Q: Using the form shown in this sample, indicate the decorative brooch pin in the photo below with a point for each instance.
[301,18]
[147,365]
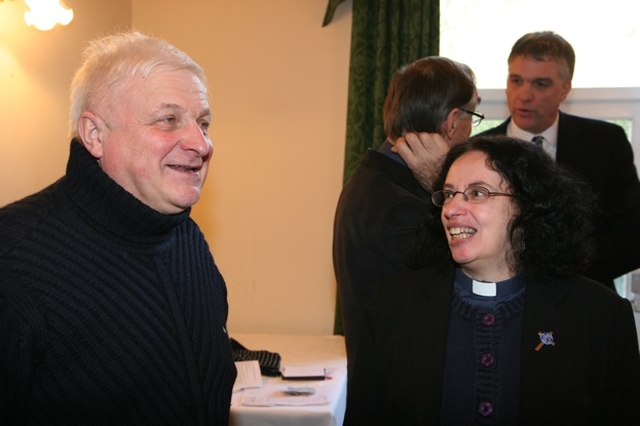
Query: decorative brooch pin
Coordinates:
[546,339]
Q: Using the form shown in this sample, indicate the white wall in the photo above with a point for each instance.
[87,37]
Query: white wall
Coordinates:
[279,92]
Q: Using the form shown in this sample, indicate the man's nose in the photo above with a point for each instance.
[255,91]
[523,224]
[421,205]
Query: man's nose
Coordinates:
[525,92]
[196,140]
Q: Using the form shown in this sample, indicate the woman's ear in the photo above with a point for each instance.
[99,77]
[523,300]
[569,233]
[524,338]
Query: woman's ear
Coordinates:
[91,133]
[450,124]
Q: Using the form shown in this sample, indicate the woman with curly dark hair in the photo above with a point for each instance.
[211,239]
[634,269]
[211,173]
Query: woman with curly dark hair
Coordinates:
[500,328]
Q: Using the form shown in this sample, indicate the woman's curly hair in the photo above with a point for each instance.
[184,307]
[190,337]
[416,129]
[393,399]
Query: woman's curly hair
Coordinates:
[551,232]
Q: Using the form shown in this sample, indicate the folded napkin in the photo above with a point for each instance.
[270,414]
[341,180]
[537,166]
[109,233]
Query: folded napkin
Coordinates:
[269,361]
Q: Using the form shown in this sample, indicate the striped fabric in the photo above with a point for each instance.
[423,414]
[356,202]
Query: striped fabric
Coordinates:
[110,312]
[269,361]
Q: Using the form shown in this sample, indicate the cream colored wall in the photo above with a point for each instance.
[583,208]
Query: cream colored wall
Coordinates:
[279,92]
[35,70]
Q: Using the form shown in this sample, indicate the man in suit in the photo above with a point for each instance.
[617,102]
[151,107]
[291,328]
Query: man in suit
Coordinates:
[429,107]
[541,67]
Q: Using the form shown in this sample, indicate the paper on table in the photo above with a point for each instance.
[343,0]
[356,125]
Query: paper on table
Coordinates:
[270,396]
[248,375]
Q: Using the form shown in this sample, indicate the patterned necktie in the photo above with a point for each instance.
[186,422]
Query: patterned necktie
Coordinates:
[538,140]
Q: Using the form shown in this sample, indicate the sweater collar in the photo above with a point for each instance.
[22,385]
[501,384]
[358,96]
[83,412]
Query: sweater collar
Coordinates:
[109,207]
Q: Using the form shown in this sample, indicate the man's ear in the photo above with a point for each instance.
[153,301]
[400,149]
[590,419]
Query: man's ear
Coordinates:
[450,124]
[565,89]
[91,133]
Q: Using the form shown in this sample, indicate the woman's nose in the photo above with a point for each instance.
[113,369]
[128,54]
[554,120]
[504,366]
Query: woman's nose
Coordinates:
[454,205]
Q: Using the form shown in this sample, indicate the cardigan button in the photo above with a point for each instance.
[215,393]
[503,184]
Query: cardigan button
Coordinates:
[485,409]
[488,319]
[487,360]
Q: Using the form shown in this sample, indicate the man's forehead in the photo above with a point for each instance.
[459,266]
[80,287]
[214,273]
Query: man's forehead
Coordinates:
[169,90]
[545,61]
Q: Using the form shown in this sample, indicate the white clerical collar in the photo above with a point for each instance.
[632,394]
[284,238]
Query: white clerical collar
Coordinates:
[482,288]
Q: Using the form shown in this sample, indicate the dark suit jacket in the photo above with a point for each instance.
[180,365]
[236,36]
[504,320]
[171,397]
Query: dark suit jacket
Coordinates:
[378,212]
[590,377]
[600,153]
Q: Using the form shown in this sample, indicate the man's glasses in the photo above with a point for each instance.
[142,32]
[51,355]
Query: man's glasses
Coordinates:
[473,195]
[477,117]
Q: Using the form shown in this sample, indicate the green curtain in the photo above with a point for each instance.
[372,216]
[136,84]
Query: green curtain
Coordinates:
[385,35]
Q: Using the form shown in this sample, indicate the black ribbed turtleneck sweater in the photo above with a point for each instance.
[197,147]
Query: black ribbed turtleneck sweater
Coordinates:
[110,312]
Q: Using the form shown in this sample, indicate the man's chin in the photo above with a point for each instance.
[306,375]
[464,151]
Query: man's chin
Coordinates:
[177,205]
[525,121]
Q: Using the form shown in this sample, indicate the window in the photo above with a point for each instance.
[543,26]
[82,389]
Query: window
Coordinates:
[606,39]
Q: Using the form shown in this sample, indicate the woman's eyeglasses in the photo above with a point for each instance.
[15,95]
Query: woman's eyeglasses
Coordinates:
[473,195]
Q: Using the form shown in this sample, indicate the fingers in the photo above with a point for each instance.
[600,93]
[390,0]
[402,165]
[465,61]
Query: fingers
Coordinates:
[423,153]
[421,148]
[421,144]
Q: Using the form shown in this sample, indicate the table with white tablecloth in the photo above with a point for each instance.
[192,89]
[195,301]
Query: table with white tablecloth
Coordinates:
[305,351]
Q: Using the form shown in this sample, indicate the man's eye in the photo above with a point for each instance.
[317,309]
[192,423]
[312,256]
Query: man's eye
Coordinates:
[204,126]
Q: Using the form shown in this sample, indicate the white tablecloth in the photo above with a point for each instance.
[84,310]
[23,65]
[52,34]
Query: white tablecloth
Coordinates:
[323,351]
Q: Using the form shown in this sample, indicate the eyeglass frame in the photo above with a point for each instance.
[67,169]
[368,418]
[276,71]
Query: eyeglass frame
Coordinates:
[478,116]
[465,197]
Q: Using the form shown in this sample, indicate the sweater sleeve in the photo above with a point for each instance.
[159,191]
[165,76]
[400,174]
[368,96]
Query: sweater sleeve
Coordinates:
[21,337]
[623,375]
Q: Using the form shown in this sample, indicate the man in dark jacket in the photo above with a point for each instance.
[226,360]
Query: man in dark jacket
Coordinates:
[430,106]
[541,67]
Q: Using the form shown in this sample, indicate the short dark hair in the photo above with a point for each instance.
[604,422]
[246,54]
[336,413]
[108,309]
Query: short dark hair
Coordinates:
[422,94]
[545,46]
[551,233]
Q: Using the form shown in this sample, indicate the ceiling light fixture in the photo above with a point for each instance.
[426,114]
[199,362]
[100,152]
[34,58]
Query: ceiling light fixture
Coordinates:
[45,14]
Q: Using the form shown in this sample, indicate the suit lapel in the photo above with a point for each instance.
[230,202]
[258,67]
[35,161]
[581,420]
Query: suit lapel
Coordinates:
[569,150]
[498,130]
